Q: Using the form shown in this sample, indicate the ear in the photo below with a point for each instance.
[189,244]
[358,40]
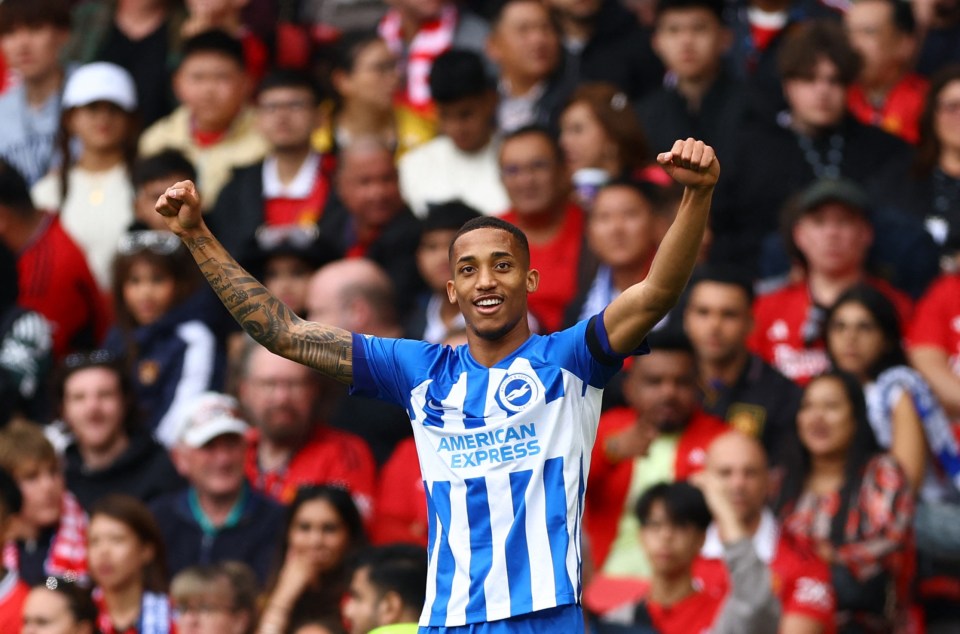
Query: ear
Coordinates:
[178,453]
[390,608]
[340,81]
[178,85]
[148,555]
[533,280]
[451,292]
[493,49]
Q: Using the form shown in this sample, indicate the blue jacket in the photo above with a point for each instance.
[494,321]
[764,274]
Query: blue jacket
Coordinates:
[253,539]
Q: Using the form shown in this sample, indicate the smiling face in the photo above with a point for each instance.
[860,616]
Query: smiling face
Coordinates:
[319,534]
[825,421]
[94,407]
[491,280]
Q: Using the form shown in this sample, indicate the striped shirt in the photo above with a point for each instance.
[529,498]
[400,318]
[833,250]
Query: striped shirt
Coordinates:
[504,453]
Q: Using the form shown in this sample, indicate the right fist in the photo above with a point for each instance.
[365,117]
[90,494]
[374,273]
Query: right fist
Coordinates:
[180,207]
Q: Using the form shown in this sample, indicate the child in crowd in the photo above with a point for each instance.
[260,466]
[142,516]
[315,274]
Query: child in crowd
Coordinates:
[218,598]
[151,178]
[204,15]
[127,565]
[163,328]
[49,535]
[93,190]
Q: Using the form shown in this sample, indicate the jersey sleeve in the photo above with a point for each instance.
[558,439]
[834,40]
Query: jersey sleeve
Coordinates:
[932,319]
[601,362]
[387,369]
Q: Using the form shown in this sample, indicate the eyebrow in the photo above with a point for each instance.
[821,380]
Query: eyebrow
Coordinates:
[495,254]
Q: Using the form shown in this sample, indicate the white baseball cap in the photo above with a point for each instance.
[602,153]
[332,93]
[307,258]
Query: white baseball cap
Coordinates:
[209,415]
[100,81]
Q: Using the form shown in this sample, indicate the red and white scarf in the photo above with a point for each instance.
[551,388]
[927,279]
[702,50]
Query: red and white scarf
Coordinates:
[68,550]
[433,38]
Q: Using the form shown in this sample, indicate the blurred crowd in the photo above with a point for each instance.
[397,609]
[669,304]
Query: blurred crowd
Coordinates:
[786,459]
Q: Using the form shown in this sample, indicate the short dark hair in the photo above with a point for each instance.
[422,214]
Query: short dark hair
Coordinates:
[214,41]
[713,6]
[79,599]
[458,74]
[683,502]
[806,44]
[290,78]
[901,15]
[399,568]
[535,129]
[34,14]
[103,360]
[502,7]
[670,340]
[722,273]
[492,222]
[166,164]
[11,501]
[349,46]
[447,216]
[14,192]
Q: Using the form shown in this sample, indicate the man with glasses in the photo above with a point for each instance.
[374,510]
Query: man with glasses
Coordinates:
[290,446]
[290,185]
[533,173]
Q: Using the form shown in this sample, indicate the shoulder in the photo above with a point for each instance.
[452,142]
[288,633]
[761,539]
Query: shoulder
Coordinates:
[170,131]
[884,472]
[422,155]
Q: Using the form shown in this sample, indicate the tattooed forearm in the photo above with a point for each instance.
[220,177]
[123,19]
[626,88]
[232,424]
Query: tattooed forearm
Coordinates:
[267,319]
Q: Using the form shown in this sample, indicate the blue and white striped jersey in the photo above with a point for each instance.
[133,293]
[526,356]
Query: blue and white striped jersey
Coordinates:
[504,453]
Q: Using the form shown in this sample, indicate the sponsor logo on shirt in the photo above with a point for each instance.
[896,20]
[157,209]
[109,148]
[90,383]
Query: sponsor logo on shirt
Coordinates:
[813,593]
[796,363]
[487,447]
[517,392]
[778,331]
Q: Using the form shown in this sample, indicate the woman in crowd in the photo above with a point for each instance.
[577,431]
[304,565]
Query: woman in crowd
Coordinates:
[163,328]
[365,77]
[323,529]
[58,606]
[126,555]
[98,140]
[218,598]
[852,501]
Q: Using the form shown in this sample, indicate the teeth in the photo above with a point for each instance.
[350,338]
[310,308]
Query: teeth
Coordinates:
[488,302]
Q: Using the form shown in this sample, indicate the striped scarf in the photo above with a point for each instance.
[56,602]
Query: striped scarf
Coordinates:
[67,557]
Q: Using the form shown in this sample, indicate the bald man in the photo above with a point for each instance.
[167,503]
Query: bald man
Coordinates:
[366,217]
[358,295]
[735,482]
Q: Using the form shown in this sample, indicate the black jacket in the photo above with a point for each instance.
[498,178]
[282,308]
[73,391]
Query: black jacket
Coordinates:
[143,471]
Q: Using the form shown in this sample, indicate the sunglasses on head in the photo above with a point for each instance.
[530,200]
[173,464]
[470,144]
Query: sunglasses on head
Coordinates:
[297,236]
[159,242]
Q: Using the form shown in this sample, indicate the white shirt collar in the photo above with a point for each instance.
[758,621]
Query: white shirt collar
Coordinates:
[299,187]
[764,540]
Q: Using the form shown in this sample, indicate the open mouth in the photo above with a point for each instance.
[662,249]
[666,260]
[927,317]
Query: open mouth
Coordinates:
[488,304]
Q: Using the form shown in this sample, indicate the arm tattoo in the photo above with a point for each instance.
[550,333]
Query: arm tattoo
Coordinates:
[268,320]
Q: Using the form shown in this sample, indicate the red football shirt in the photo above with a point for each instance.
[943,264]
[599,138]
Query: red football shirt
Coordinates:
[899,114]
[936,322]
[56,282]
[691,615]
[557,262]
[331,456]
[781,318]
[401,504]
[13,592]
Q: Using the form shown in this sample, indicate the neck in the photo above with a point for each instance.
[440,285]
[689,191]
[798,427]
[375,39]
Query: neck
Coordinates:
[829,467]
[810,130]
[488,353]
[626,276]
[576,29]
[273,454]
[289,162]
[752,524]
[40,89]
[100,160]
[359,120]
[670,590]
[123,603]
[693,89]
[950,161]
[217,507]
[725,371]
[520,85]
[136,18]
[825,289]
[878,89]
[97,458]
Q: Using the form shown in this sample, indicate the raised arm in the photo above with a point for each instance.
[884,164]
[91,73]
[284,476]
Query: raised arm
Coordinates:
[263,316]
[630,317]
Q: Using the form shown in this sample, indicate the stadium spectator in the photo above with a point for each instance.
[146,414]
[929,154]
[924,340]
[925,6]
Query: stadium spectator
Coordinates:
[435,316]
[26,344]
[738,386]
[32,35]
[61,606]
[365,77]
[600,131]
[417,33]
[534,85]
[387,590]
[532,168]
[853,503]
[604,43]
[128,568]
[887,93]
[213,127]
[400,508]
[829,231]
[226,16]
[368,218]
[461,163]
[291,184]
[673,520]
[92,191]
[703,100]
[218,598]
[323,531]
[218,516]
[662,436]
[357,295]
[163,328]
[53,276]
[817,139]
[737,479]
[13,591]
[49,535]
[151,176]
[288,446]
[109,451]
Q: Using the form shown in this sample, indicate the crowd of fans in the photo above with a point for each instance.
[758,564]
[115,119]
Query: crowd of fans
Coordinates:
[786,459]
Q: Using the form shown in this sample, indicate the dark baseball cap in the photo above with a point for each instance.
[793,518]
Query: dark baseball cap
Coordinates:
[833,190]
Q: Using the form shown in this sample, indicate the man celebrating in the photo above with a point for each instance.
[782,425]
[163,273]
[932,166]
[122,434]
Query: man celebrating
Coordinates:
[504,425]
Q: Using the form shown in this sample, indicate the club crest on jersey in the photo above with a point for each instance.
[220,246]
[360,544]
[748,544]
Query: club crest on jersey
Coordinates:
[517,392]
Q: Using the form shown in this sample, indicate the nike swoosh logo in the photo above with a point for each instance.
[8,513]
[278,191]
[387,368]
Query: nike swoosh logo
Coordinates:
[435,406]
